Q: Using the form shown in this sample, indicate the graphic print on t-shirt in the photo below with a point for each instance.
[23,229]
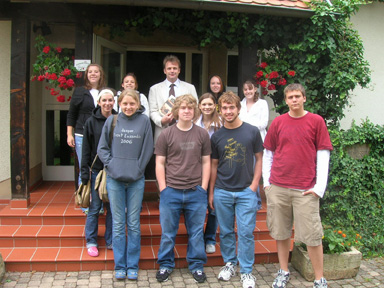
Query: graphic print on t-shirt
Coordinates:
[234,152]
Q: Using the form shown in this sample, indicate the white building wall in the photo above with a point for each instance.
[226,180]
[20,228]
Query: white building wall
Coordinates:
[5,87]
[369,103]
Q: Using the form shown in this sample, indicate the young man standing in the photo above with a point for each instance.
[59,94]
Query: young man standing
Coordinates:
[160,92]
[237,151]
[295,172]
[182,171]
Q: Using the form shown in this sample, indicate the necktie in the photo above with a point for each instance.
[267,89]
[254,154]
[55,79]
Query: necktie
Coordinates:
[172,90]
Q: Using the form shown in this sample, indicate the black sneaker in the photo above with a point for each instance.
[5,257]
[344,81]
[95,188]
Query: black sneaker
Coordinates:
[163,274]
[199,276]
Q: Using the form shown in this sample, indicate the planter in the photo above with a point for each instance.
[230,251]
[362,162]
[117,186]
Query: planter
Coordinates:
[336,266]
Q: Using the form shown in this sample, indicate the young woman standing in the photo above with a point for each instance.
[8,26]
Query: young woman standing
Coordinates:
[125,159]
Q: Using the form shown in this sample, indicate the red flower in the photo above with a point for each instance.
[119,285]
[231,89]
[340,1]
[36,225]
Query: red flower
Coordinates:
[264,83]
[282,82]
[60,98]
[292,73]
[53,76]
[259,74]
[54,92]
[273,74]
[266,76]
[59,49]
[70,83]
[46,49]
[69,98]
[62,79]
[34,78]
[66,72]
[78,75]
[263,65]
[271,87]
[46,67]
[47,75]
[40,78]
[265,92]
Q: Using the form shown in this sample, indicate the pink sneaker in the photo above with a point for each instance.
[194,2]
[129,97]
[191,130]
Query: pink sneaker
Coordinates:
[93,251]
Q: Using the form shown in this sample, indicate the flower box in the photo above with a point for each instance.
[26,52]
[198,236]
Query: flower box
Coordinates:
[336,266]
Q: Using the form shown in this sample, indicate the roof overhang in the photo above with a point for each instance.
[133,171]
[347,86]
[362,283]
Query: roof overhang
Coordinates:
[286,8]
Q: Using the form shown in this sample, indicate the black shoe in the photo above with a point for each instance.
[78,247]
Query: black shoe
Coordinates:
[162,275]
[199,276]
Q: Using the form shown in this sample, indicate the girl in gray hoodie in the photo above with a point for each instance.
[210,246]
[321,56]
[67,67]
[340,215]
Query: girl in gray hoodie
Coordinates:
[125,157]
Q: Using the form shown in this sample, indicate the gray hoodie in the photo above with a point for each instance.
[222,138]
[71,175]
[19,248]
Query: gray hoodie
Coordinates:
[131,148]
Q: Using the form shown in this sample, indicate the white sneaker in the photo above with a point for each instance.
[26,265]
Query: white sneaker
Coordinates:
[281,280]
[210,248]
[248,280]
[322,283]
[227,272]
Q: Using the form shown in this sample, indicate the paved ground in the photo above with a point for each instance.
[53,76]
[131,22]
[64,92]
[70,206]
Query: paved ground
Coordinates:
[371,274]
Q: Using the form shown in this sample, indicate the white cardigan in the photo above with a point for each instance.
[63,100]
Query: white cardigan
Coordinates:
[257,116]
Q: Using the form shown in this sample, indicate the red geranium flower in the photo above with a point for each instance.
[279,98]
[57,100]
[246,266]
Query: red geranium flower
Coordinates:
[282,82]
[259,74]
[53,76]
[265,92]
[62,79]
[263,65]
[78,75]
[292,73]
[264,83]
[69,98]
[60,98]
[46,49]
[271,87]
[70,83]
[59,49]
[40,78]
[273,75]
[66,72]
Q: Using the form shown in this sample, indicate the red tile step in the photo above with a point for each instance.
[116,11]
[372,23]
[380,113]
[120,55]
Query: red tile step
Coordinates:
[49,235]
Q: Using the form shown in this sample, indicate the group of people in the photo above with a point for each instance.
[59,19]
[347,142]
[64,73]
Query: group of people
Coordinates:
[210,152]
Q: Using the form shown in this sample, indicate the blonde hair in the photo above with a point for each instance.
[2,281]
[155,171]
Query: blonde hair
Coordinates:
[189,100]
[132,93]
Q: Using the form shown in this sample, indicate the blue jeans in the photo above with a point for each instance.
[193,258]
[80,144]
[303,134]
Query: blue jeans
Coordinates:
[126,200]
[211,227]
[244,205]
[78,148]
[92,224]
[193,203]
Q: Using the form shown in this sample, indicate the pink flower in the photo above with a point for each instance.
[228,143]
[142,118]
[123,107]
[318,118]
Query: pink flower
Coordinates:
[59,49]
[46,49]
[259,74]
[273,74]
[271,87]
[60,98]
[263,65]
[264,83]
[292,73]
[282,82]
[40,78]
[70,83]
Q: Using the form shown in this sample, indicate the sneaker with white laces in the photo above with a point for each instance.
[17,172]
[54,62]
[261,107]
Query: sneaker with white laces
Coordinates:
[199,276]
[163,274]
[281,280]
[227,272]
[322,283]
[248,280]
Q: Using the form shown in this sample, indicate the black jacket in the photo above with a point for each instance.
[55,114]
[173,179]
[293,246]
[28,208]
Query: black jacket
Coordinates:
[80,109]
[91,136]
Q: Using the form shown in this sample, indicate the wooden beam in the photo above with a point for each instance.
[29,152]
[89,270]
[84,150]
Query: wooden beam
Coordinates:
[247,65]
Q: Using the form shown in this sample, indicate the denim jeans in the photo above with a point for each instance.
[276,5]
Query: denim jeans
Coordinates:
[243,205]
[193,203]
[211,227]
[78,148]
[126,200]
[92,224]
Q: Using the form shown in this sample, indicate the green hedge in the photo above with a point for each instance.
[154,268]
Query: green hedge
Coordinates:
[355,194]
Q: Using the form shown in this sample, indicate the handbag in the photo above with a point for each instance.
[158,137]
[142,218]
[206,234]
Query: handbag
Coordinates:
[101,185]
[101,179]
[83,193]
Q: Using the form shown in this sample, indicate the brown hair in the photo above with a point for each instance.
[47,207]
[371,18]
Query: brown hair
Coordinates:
[172,59]
[231,98]
[133,76]
[294,87]
[250,84]
[215,115]
[221,86]
[132,93]
[189,100]
[101,83]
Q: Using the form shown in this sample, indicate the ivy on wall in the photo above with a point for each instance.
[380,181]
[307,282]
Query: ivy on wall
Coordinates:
[324,50]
